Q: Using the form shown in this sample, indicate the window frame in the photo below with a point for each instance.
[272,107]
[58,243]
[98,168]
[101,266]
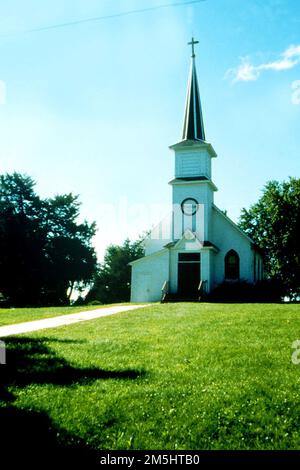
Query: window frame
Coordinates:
[232,272]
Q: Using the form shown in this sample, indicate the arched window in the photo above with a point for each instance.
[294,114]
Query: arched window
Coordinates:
[232,265]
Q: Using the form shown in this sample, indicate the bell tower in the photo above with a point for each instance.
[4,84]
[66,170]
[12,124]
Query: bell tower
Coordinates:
[193,188]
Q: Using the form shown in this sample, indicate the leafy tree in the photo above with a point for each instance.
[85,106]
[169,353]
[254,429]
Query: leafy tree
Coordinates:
[22,239]
[44,252]
[69,249]
[112,283]
[274,225]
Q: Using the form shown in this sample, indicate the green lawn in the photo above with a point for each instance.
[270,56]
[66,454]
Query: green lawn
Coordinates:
[177,376]
[11,316]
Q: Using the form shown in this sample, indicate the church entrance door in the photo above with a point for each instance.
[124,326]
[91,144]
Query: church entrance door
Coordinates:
[188,274]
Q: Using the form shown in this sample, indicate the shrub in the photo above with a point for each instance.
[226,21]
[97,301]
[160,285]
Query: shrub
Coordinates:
[243,291]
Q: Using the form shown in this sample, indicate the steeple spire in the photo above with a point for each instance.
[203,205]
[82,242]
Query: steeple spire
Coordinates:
[193,127]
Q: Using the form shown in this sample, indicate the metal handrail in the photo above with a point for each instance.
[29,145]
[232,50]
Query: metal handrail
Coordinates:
[202,289]
[164,290]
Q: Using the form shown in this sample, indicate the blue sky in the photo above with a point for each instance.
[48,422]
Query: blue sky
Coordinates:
[91,109]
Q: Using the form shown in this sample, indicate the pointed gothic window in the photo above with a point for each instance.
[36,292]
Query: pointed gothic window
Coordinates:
[232,265]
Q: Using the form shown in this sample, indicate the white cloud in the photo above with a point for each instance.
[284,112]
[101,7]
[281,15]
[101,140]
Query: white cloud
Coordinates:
[245,72]
[296,92]
[248,72]
[292,51]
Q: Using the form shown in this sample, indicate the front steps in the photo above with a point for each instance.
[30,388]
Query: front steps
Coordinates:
[179,298]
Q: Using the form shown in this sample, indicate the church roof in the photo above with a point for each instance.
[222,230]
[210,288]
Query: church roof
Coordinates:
[205,244]
[193,179]
[193,127]
[190,178]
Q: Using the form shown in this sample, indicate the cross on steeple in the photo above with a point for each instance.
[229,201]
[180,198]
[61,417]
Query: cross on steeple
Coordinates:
[192,43]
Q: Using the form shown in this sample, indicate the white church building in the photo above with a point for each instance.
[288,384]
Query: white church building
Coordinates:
[197,247]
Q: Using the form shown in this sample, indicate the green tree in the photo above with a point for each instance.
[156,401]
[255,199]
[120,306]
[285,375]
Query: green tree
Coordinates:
[44,252]
[274,225]
[22,239]
[69,250]
[112,283]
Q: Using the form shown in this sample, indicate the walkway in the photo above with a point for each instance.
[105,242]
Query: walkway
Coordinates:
[64,320]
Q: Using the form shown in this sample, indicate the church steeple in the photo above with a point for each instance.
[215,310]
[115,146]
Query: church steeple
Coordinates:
[193,127]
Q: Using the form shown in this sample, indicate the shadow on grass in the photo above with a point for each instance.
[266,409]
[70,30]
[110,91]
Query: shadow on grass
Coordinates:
[25,434]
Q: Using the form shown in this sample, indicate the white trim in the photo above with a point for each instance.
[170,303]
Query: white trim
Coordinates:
[192,238]
[214,187]
[210,248]
[155,253]
[184,144]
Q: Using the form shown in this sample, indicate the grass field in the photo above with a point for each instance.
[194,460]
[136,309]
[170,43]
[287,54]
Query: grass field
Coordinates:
[177,376]
[11,316]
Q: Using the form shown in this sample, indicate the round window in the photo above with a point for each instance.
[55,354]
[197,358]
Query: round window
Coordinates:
[189,206]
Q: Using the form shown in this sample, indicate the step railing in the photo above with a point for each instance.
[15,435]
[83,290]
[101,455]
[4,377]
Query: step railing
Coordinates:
[202,290]
[164,291]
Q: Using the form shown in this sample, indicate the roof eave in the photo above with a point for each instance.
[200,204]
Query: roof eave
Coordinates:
[195,144]
[177,181]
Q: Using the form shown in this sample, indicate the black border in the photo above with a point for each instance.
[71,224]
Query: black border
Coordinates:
[189,199]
